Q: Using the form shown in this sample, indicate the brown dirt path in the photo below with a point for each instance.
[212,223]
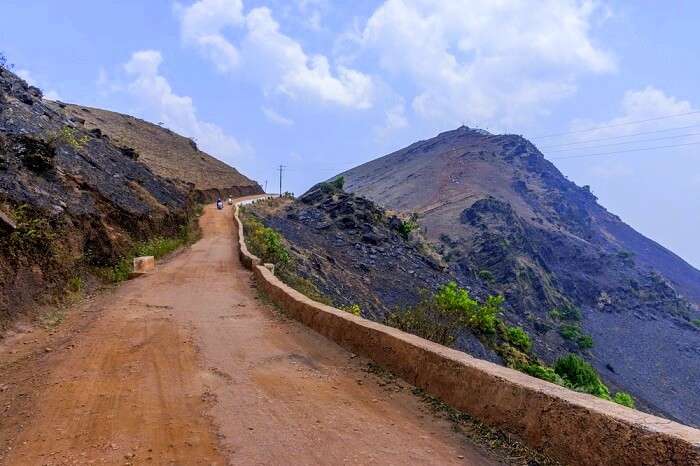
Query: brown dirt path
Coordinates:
[189,366]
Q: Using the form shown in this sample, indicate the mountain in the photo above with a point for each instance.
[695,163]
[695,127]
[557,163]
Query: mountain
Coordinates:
[166,153]
[506,219]
[74,200]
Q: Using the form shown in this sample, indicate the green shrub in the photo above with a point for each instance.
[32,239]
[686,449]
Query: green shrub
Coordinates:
[569,332]
[440,318]
[426,321]
[624,399]
[696,322]
[353,309]
[519,338]
[75,285]
[332,186]
[266,243]
[585,342]
[406,227]
[485,275]
[158,247]
[580,375]
[453,300]
[567,312]
[338,183]
[542,372]
[70,136]
[573,332]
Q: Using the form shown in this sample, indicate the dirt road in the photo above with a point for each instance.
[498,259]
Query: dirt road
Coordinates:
[189,366]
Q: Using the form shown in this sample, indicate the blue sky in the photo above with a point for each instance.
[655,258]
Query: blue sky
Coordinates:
[321,85]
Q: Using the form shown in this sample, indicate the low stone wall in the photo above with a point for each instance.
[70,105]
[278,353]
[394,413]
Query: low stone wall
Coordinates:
[247,259]
[572,427]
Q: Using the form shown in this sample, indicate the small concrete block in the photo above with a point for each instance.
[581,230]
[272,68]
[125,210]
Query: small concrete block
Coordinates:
[143,265]
[270,267]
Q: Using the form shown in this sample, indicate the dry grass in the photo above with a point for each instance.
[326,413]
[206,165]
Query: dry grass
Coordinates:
[167,154]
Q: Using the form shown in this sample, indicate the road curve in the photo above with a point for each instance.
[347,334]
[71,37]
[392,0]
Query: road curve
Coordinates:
[189,366]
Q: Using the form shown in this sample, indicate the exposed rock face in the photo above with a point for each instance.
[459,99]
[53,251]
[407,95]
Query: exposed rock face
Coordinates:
[166,153]
[71,198]
[507,218]
[353,252]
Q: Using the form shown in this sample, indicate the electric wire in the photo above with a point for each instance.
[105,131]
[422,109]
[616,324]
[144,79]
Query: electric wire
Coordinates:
[626,123]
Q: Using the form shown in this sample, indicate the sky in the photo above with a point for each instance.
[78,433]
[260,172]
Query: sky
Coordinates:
[607,90]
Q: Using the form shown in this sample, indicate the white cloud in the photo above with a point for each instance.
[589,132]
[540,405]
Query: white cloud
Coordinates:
[394,119]
[177,112]
[649,103]
[25,74]
[297,74]
[641,124]
[275,117]
[203,23]
[485,60]
[280,61]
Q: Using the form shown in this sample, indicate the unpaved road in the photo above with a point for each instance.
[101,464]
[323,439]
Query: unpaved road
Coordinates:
[188,366]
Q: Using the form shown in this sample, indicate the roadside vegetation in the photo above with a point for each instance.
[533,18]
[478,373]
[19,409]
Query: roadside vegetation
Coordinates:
[267,244]
[158,247]
[442,316]
[568,317]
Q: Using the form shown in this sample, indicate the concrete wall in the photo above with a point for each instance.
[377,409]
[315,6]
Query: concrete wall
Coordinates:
[572,427]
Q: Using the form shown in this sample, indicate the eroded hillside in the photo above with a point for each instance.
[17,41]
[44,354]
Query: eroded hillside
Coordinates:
[73,201]
[574,276]
[166,153]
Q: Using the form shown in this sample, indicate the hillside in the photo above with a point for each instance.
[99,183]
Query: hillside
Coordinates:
[505,218]
[75,202]
[166,153]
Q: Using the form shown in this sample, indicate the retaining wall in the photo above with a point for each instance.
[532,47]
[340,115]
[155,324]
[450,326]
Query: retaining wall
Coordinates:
[572,427]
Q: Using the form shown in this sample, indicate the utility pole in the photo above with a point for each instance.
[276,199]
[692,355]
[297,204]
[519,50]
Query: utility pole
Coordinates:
[281,169]
[265,186]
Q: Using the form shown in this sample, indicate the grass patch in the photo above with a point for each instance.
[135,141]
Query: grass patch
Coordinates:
[566,313]
[157,247]
[353,309]
[696,322]
[572,332]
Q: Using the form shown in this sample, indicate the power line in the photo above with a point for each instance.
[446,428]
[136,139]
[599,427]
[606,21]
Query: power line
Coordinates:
[616,125]
[642,133]
[639,141]
[625,151]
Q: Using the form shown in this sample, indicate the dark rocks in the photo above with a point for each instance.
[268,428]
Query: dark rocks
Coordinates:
[74,204]
[35,154]
[129,152]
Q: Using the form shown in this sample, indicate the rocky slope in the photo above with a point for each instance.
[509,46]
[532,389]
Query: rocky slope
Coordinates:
[354,253]
[506,221]
[166,153]
[505,216]
[71,199]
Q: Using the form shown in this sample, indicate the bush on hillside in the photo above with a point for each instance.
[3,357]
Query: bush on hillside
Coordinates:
[519,338]
[266,243]
[580,375]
